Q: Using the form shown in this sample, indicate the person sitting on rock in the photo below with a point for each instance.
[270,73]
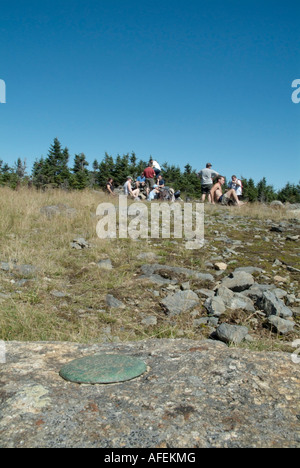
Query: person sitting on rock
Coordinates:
[225,199]
[160,181]
[153,195]
[110,186]
[128,189]
[237,185]
[140,181]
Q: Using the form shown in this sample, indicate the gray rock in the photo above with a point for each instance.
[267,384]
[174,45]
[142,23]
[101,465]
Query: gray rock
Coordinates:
[105,264]
[194,394]
[149,256]
[231,333]
[58,294]
[215,306]
[79,243]
[234,300]
[4,266]
[152,273]
[113,302]
[274,306]
[205,292]
[149,320]
[282,326]
[60,209]
[249,269]
[238,281]
[277,204]
[180,302]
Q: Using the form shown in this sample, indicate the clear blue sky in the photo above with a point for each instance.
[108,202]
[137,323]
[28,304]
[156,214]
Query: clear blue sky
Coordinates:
[187,81]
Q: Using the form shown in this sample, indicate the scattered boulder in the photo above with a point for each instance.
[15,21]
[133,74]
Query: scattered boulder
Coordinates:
[105,264]
[152,272]
[215,306]
[281,325]
[277,204]
[274,306]
[23,270]
[79,243]
[180,302]
[231,333]
[220,266]
[113,302]
[238,281]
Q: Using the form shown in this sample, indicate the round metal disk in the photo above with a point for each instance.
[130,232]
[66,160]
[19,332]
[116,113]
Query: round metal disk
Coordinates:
[103,368]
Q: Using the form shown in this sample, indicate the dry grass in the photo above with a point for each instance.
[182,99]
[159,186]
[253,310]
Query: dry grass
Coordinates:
[30,312]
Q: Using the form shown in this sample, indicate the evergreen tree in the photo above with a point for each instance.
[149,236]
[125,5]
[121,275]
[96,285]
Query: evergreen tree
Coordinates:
[265,193]
[56,169]
[81,174]
[106,169]
[249,190]
[20,168]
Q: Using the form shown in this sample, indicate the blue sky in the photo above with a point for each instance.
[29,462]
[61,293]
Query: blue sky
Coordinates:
[185,81]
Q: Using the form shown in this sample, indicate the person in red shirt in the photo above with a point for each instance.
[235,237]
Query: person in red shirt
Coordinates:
[149,173]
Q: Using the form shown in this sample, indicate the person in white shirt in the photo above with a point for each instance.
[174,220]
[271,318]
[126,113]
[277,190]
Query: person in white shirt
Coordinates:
[237,185]
[156,167]
[128,189]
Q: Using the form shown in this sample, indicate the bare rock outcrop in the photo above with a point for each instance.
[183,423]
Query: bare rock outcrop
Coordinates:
[194,394]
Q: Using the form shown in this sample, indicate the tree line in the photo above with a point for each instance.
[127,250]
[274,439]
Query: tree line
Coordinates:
[54,171]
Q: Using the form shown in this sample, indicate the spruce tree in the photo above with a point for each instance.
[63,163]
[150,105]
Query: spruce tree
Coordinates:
[56,165]
[81,174]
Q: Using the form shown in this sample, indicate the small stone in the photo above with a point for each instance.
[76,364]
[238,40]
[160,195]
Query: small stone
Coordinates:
[281,325]
[180,302]
[215,306]
[238,281]
[58,294]
[231,333]
[150,320]
[274,306]
[220,266]
[105,264]
[113,302]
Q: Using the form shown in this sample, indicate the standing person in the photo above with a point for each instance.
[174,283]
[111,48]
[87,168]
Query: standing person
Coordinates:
[128,189]
[149,174]
[156,167]
[217,194]
[207,175]
[237,185]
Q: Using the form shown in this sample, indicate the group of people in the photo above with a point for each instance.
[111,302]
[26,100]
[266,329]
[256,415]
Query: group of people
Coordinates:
[214,191]
[147,185]
[150,182]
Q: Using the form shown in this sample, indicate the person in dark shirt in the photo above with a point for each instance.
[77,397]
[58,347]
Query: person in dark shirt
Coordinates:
[160,181]
[110,186]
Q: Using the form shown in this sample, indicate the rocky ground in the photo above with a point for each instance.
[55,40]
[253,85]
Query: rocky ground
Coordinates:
[206,322]
[193,395]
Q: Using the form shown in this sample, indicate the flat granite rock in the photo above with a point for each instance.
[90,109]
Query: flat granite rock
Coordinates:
[193,394]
